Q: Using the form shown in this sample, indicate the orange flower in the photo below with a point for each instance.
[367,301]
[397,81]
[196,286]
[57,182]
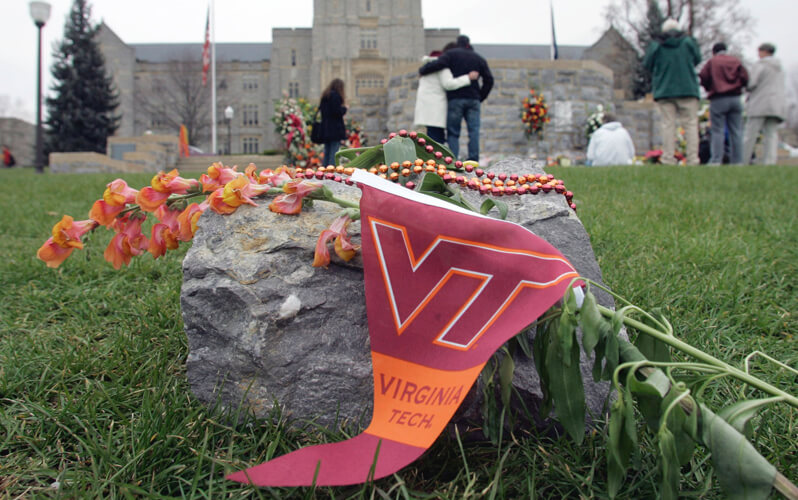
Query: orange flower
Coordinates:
[162,239]
[172,183]
[217,204]
[167,216]
[187,220]
[66,237]
[240,190]
[129,241]
[103,213]
[118,193]
[343,246]
[218,175]
[291,202]
[149,199]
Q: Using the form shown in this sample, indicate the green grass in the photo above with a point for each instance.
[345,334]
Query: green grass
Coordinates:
[92,376]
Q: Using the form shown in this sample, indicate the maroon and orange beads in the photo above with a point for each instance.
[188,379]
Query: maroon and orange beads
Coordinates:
[486,183]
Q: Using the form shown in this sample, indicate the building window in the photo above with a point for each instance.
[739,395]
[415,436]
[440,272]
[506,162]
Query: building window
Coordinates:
[368,39]
[293,57]
[293,89]
[250,145]
[249,82]
[368,81]
[368,5]
[249,115]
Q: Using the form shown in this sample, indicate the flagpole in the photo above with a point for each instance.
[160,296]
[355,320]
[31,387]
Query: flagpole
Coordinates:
[213,78]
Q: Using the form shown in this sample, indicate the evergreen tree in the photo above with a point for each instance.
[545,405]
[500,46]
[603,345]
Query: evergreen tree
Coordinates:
[641,85]
[80,116]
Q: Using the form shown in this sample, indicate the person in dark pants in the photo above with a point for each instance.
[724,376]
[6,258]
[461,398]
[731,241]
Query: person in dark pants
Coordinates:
[333,109]
[463,102]
[8,159]
[724,77]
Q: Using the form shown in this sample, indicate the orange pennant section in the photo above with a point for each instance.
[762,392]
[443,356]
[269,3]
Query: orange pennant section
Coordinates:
[412,402]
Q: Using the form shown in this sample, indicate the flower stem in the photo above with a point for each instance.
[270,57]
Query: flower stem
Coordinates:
[706,358]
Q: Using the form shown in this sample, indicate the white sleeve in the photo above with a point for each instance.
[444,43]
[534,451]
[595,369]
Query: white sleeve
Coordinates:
[630,146]
[591,148]
[449,82]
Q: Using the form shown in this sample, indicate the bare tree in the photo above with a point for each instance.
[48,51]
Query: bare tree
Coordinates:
[175,96]
[709,21]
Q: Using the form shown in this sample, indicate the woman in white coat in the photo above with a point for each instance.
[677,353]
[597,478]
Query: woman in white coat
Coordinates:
[431,102]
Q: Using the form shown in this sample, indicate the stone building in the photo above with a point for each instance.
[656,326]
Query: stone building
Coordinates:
[375,47]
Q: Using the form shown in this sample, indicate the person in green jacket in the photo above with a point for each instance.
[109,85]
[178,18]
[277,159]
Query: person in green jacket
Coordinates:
[672,60]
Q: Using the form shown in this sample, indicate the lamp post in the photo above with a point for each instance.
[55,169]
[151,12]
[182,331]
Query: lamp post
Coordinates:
[228,116]
[40,12]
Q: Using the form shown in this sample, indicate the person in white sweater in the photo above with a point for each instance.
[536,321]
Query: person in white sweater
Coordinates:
[431,102]
[610,144]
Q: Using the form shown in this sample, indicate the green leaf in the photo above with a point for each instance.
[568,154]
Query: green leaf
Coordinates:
[652,348]
[522,339]
[648,394]
[739,415]
[399,149]
[619,448]
[432,183]
[742,472]
[676,421]
[540,347]
[594,326]
[566,331]
[492,202]
[506,370]
[367,158]
[669,464]
[567,390]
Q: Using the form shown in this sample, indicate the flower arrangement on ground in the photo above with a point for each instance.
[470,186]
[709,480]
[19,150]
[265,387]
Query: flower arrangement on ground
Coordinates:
[291,118]
[594,121]
[534,113]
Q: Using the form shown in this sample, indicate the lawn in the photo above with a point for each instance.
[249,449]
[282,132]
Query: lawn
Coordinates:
[94,400]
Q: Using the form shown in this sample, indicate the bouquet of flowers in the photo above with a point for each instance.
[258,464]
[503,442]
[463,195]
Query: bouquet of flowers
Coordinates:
[594,121]
[534,113]
[355,136]
[291,118]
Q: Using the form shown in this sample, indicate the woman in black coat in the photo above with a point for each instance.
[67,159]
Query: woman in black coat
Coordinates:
[332,108]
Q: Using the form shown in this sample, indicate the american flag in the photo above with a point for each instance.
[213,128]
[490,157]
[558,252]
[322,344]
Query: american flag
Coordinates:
[206,49]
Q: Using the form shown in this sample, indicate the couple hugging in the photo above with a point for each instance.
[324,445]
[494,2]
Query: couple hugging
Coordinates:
[449,91]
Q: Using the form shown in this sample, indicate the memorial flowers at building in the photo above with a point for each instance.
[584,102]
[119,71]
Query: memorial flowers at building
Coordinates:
[534,113]
[291,118]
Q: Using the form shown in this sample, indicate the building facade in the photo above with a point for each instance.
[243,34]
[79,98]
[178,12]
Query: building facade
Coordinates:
[367,43]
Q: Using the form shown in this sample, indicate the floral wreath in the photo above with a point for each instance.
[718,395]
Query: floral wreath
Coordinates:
[534,113]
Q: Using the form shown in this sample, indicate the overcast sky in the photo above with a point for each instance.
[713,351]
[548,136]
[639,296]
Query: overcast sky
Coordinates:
[578,22]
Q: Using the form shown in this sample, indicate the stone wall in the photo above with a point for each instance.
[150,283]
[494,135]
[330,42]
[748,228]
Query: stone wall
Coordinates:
[572,90]
[91,163]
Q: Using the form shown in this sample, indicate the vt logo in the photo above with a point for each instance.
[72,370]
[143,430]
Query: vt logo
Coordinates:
[455,289]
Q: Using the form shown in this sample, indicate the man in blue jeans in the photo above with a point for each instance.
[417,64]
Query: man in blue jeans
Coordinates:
[724,78]
[463,102]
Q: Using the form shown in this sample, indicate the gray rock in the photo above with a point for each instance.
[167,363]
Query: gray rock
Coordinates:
[266,328]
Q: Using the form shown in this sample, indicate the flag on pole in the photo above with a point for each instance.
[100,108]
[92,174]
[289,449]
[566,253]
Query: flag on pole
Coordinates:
[206,49]
[445,288]
[183,141]
[554,54]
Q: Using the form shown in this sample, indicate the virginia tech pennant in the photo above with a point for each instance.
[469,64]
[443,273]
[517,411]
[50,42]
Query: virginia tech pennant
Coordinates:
[445,288]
